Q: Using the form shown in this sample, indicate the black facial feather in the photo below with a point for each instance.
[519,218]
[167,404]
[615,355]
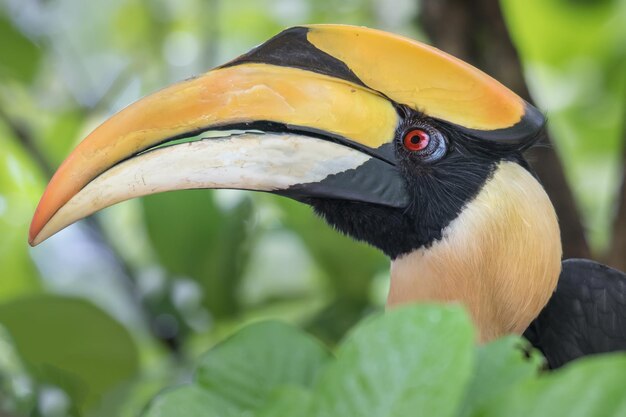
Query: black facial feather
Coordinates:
[438,190]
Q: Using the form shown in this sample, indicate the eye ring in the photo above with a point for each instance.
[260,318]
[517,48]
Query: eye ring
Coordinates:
[423,142]
[416,140]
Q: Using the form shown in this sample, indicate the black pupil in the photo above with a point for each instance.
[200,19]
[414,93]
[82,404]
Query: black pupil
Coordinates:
[416,139]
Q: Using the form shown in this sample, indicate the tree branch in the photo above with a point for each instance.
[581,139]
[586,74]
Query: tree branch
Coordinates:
[617,254]
[23,135]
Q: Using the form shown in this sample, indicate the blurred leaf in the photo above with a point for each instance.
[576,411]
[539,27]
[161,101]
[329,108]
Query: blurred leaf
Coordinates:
[193,237]
[287,401]
[189,401]
[350,265]
[587,387]
[245,369]
[20,56]
[20,188]
[349,268]
[501,366]
[410,361]
[60,134]
[333,321]
[15,398]
[577,75]
[72,344]
[133,26]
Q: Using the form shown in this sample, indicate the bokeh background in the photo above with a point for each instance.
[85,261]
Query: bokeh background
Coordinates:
[97,320]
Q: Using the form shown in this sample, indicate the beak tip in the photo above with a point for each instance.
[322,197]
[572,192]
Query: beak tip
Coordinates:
[34,231]
[32,236]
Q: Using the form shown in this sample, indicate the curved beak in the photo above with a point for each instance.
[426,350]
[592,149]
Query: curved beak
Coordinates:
[319,105]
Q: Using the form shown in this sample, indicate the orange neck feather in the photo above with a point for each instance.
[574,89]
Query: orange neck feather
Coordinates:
[501,257]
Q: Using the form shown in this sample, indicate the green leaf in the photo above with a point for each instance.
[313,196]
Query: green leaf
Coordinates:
[410,361]
[287,401]
[193,237]
[20,56]
[500,366]
[588,387]
[189,401]
[72,344]
[58,136]
[349,268]
[245,369]
[349,265]
[578,78]
[20,189]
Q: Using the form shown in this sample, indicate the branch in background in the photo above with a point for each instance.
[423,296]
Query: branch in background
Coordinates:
[617,254]
[476,33]
[24,136]
[212,26]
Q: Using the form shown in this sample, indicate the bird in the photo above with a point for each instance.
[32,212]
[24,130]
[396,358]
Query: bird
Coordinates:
[392,142]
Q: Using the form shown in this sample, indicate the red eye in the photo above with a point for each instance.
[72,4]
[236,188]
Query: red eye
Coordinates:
[416,140]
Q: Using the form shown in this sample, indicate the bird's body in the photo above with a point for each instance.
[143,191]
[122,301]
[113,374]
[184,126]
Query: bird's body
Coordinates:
[585,316]
[391,141]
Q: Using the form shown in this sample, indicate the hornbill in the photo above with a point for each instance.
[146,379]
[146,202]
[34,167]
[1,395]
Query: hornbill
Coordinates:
[392,142]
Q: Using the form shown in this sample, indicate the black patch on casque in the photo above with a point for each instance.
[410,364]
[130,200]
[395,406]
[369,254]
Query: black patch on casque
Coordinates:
[291,48]
[437,191]
[520,134]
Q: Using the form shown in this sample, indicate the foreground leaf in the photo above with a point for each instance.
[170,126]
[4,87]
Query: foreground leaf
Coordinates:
[410,361]
[72,344]
[288,402]
[189,401]
[592,386]
[500,366]
[245,369]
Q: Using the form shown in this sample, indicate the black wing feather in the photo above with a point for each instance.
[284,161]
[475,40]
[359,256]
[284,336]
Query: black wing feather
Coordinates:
[585,316]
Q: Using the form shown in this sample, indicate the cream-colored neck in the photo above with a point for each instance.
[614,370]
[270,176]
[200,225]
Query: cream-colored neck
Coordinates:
[501,257]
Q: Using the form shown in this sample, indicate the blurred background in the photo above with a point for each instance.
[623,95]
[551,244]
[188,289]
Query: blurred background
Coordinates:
[100,318]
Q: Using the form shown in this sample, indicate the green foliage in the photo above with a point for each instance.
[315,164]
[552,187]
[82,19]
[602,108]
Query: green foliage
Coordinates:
[331,250]
[20,187]
[68,64]
[71,344]
[574,55]
[500,367]
[194,237]
[349,268]
[588,387]
[282,355]
[419,360]
[20,56]
[189,401]
[414,360]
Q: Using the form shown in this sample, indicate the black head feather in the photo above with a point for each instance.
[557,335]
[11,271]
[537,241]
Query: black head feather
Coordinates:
[438,190]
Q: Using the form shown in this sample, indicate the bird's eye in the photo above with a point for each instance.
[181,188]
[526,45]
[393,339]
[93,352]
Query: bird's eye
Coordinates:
[424,142]
[416,140]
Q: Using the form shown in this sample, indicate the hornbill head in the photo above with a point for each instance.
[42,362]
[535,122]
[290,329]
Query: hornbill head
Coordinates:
[391,141]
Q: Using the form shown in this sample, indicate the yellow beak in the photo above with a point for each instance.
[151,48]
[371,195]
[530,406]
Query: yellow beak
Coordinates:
[335,84]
